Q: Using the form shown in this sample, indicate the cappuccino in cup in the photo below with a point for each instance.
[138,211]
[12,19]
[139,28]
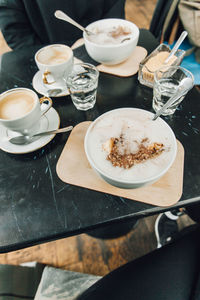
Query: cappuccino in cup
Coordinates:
[55,62]
[16,105]
[21,110]
[53,55]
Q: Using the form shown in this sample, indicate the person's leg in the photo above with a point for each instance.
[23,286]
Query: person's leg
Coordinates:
[170,272]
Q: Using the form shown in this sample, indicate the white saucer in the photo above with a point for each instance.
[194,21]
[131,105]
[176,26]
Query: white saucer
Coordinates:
[49,121]
[42,89]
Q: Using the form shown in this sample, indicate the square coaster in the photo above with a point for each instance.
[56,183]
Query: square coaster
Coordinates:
[74,168]
[127,68]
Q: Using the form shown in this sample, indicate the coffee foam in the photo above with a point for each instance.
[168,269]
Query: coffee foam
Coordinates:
[106,36]
[16,105]
[53,55]
[135,126]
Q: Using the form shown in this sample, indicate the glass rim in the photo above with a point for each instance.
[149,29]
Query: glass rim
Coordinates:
[172,67]
[85,64]
[72,73]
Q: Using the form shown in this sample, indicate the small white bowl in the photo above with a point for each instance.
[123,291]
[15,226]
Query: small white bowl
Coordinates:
[165,159]
[114,53]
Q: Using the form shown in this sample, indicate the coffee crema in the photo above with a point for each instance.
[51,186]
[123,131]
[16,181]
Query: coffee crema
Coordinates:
[53,55]
[16,104]
[148,143]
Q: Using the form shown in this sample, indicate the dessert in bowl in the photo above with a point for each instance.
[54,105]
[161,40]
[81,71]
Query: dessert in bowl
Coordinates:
[113,40]
[128,149]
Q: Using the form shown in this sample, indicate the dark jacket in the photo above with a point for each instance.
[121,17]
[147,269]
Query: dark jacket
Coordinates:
[32,22]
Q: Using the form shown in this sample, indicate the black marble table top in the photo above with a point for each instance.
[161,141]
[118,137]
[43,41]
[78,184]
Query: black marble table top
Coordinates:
[36,206]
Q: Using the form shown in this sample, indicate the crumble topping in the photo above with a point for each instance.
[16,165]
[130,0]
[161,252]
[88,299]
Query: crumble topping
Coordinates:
[126,159]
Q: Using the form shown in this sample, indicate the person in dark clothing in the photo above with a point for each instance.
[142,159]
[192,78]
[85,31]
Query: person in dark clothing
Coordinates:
[26,23]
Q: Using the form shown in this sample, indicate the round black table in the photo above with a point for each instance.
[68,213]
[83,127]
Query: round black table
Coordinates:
[36,206]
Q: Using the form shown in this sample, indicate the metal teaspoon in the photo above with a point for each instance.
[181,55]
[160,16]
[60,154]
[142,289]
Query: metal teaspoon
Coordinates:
[26,139]
[62,16]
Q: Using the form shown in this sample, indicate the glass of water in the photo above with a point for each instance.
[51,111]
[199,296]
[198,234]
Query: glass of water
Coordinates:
[166,82]
[82,84]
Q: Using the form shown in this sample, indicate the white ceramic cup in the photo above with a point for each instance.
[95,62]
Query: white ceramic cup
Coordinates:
[21,110]
[54,61]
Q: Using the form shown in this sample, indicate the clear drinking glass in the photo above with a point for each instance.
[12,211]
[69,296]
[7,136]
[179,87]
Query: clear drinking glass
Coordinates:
[166,82]
[82,84]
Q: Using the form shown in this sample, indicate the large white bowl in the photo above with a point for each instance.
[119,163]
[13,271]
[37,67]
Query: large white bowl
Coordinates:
[132,183]
[111,54]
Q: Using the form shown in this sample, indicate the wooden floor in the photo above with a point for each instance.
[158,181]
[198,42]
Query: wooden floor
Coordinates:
[84,253]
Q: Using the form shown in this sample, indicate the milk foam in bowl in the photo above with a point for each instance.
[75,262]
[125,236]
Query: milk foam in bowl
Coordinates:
[113,40]
[128,149]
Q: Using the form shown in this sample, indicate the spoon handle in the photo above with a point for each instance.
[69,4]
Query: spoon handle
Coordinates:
[176,46]
[65,129]
[62,16]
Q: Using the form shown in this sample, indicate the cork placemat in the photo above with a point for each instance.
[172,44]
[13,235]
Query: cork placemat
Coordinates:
[124,69]
[74,168]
